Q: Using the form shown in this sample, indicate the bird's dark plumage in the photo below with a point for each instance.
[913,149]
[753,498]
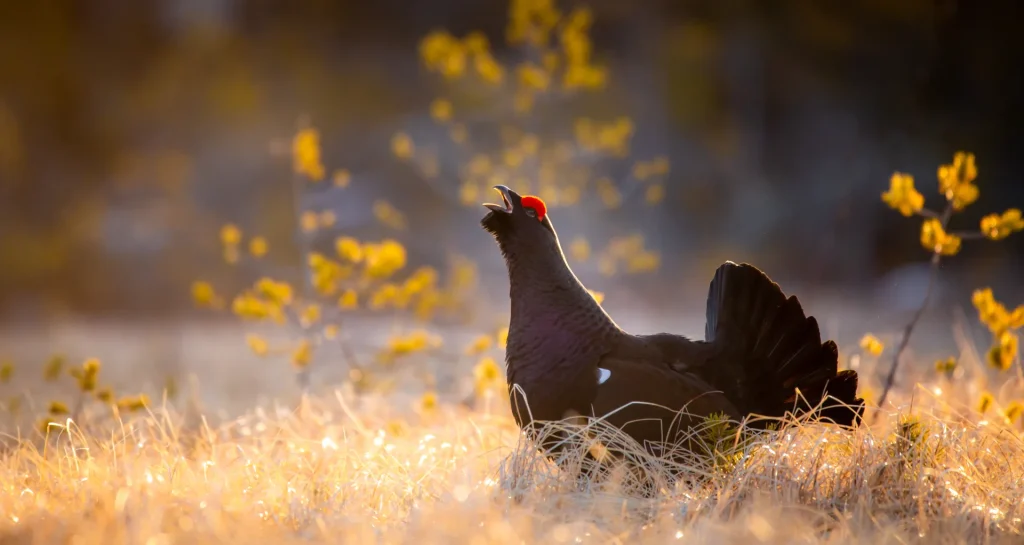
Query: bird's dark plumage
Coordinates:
[760,356]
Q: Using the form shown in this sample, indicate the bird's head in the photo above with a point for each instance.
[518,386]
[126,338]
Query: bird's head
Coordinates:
[520,224]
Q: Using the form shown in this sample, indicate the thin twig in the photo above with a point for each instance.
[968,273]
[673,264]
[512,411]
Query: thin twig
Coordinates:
[909,329]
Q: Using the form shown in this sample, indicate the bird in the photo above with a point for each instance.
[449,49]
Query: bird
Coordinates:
[565,357]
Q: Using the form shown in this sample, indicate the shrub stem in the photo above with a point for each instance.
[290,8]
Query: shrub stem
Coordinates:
[890,378]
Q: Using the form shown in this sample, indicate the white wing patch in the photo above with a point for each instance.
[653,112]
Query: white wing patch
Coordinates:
[603,375]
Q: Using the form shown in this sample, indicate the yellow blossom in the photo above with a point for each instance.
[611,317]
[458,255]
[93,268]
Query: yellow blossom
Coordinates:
[342,178]
[58,408]
[278,292]
[133,403]
[503,337]
[1003,352]
[309,221]
[1013,411]
[303,354]
[106,395]
[608,193]
[45,424]
[872,345]
[331,332]
[348,249]
[985,401]
[257,344]
[946,366]
[349,300]
[480,344]
[88,375]
[230,235]
[532,76]
[997,227]
[388,215]
[428,402]
[487,376]
[488,68]
[306,154]
[384,259]
[258,246]
[53,367]
[993,314]
[935,239]
[6,371]
[598,296]
[441,110]
[642,262]
[955,180]
[204,295]
[654,194]
[402,146]
[902,196]
[310,315]
[475,42]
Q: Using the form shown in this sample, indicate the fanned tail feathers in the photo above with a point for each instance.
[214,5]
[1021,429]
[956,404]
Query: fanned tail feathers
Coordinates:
[772,357]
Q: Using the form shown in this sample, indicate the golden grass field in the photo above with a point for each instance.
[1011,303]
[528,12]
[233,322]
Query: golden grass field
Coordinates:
[246,453]
[225,463]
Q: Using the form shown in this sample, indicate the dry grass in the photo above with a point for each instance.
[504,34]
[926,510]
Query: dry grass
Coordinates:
[340,467]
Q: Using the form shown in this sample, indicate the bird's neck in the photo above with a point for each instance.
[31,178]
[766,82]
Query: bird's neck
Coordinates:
[553,317]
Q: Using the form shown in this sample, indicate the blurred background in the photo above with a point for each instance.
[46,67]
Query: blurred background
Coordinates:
[130,132]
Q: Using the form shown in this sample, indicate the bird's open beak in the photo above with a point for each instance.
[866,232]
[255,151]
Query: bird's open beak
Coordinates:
[506,207]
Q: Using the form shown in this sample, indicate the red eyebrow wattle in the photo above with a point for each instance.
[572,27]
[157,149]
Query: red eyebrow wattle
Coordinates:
[530,201]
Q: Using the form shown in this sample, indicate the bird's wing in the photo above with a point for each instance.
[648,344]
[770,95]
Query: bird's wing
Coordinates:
[652,402]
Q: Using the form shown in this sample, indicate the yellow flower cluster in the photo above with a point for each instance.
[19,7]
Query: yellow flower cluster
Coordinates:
[87,375]
[645,170]
[630,251]
[609,193]
[488,377]
[1001,323]
[902,196]
[956,180]
[230,238]
[384,258]
[204,296]
[326,273]
[612,138]
[579,71]
[267,299]
[87,379]
[479,345]
[1000,226]
[449,56]
[388,215]
[402,146]
[403,345]
[303,354]
[306,154]
[441,110]
[935,239]
[53,368]
[531,22]
[872,345]
[946,366]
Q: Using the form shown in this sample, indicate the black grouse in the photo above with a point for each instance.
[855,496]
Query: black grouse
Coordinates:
[760,354]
